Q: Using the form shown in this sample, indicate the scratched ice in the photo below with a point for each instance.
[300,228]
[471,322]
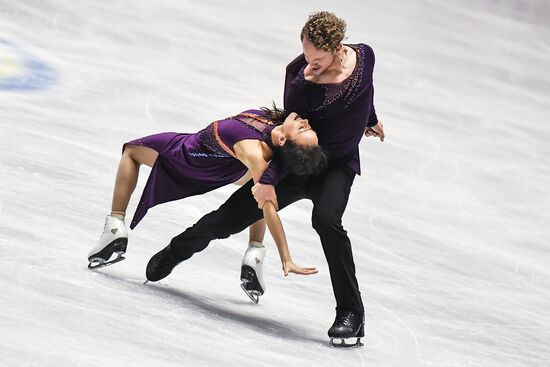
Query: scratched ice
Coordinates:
[449,221]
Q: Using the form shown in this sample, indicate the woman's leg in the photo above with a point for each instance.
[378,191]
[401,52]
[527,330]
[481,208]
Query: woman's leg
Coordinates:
[114,238]
[257,232]
[253,262]
[127,175]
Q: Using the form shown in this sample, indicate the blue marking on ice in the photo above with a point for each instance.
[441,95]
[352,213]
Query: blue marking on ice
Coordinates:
[37,74]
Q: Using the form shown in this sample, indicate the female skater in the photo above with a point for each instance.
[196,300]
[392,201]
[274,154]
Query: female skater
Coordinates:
[232,150]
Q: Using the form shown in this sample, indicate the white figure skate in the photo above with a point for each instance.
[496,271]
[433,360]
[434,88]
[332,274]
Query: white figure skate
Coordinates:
[252,273]
[114,239]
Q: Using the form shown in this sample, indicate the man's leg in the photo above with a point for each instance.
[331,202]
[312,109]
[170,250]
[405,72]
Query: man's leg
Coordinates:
[330,193]
[237,213]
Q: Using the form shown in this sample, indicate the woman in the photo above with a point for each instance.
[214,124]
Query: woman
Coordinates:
[226,151]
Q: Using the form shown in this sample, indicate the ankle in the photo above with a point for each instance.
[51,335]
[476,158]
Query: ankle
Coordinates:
[257,244]
[118,215]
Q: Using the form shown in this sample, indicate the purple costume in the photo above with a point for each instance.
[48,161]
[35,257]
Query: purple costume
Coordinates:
[338,112]
[193,164]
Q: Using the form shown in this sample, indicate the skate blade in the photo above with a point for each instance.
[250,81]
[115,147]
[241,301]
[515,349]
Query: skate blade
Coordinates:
[344,344]
[98,263]
[253,295]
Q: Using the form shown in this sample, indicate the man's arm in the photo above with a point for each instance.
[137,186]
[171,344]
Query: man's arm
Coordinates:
[373,126]
[264,190]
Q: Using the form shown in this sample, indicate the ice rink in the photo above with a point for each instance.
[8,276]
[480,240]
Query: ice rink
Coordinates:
[449,220]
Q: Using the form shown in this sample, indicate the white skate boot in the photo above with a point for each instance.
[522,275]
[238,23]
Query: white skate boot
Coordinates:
[252,272]
[113,239]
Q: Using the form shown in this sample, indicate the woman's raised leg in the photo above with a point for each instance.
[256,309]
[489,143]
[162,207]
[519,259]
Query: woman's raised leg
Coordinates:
[114,238]
[127,175]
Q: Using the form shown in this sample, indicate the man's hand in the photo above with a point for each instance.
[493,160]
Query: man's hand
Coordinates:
[263,193]
[376,130]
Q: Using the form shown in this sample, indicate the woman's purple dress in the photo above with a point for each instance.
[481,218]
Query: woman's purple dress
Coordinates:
[193,164]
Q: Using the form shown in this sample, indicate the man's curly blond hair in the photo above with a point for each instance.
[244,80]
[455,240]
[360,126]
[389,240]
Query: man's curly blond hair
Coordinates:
[325,30]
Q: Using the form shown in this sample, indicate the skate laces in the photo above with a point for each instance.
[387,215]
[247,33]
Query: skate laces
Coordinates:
[345,317]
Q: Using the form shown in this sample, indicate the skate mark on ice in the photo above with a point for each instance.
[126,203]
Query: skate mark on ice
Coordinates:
[411,333]
[147,108]
[435,157]
[522,276]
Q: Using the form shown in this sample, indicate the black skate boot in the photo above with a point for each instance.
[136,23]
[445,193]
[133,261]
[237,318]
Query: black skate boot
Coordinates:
[347,325]
[161,265]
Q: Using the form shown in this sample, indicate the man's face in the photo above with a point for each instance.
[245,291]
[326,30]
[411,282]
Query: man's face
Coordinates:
[319,60]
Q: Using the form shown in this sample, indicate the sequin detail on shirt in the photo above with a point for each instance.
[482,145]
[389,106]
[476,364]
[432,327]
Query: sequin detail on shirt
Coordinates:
[347,89]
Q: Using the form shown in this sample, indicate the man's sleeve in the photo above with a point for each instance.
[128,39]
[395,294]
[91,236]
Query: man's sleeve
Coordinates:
[274,173]
[294,101]
[373,119]
[294,95]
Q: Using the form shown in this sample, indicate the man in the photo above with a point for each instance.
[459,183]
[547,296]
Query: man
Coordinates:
[330,84]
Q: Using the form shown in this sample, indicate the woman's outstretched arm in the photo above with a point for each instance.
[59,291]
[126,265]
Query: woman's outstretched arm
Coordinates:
[249,152]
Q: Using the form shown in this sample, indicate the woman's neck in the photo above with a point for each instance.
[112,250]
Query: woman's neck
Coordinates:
[274,136]
[267,152]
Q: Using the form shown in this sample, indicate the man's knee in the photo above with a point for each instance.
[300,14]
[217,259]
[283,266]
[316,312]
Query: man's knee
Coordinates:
[325,219]
[214,225]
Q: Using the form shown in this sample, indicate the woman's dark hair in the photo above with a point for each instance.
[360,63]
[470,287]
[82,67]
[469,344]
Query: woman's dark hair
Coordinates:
[301,160]
[275,114]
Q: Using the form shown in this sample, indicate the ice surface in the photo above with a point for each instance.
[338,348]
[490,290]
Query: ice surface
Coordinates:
[449,221]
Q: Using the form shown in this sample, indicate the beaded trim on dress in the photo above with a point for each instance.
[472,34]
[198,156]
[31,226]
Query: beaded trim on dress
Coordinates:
[214,145]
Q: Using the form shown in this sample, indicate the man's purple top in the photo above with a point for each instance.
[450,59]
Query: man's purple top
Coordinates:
[338,112]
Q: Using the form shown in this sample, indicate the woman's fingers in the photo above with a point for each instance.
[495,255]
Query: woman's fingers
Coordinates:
[305,271]
[290,267]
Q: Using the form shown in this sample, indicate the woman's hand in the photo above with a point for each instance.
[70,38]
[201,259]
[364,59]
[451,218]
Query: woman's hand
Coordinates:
[290,267]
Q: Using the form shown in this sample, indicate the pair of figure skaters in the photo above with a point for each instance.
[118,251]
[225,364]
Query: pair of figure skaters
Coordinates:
[280,157]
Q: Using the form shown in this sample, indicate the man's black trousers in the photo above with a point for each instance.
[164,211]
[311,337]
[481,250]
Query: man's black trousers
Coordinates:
[329,193]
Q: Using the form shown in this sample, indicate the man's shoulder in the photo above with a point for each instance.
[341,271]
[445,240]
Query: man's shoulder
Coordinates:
[296,64]
[365,49]
[292,79]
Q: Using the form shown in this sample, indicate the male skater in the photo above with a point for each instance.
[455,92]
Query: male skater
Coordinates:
[330,84]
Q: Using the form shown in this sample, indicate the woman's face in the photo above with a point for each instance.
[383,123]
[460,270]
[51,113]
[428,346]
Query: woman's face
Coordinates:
[298,130]
[319,60]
